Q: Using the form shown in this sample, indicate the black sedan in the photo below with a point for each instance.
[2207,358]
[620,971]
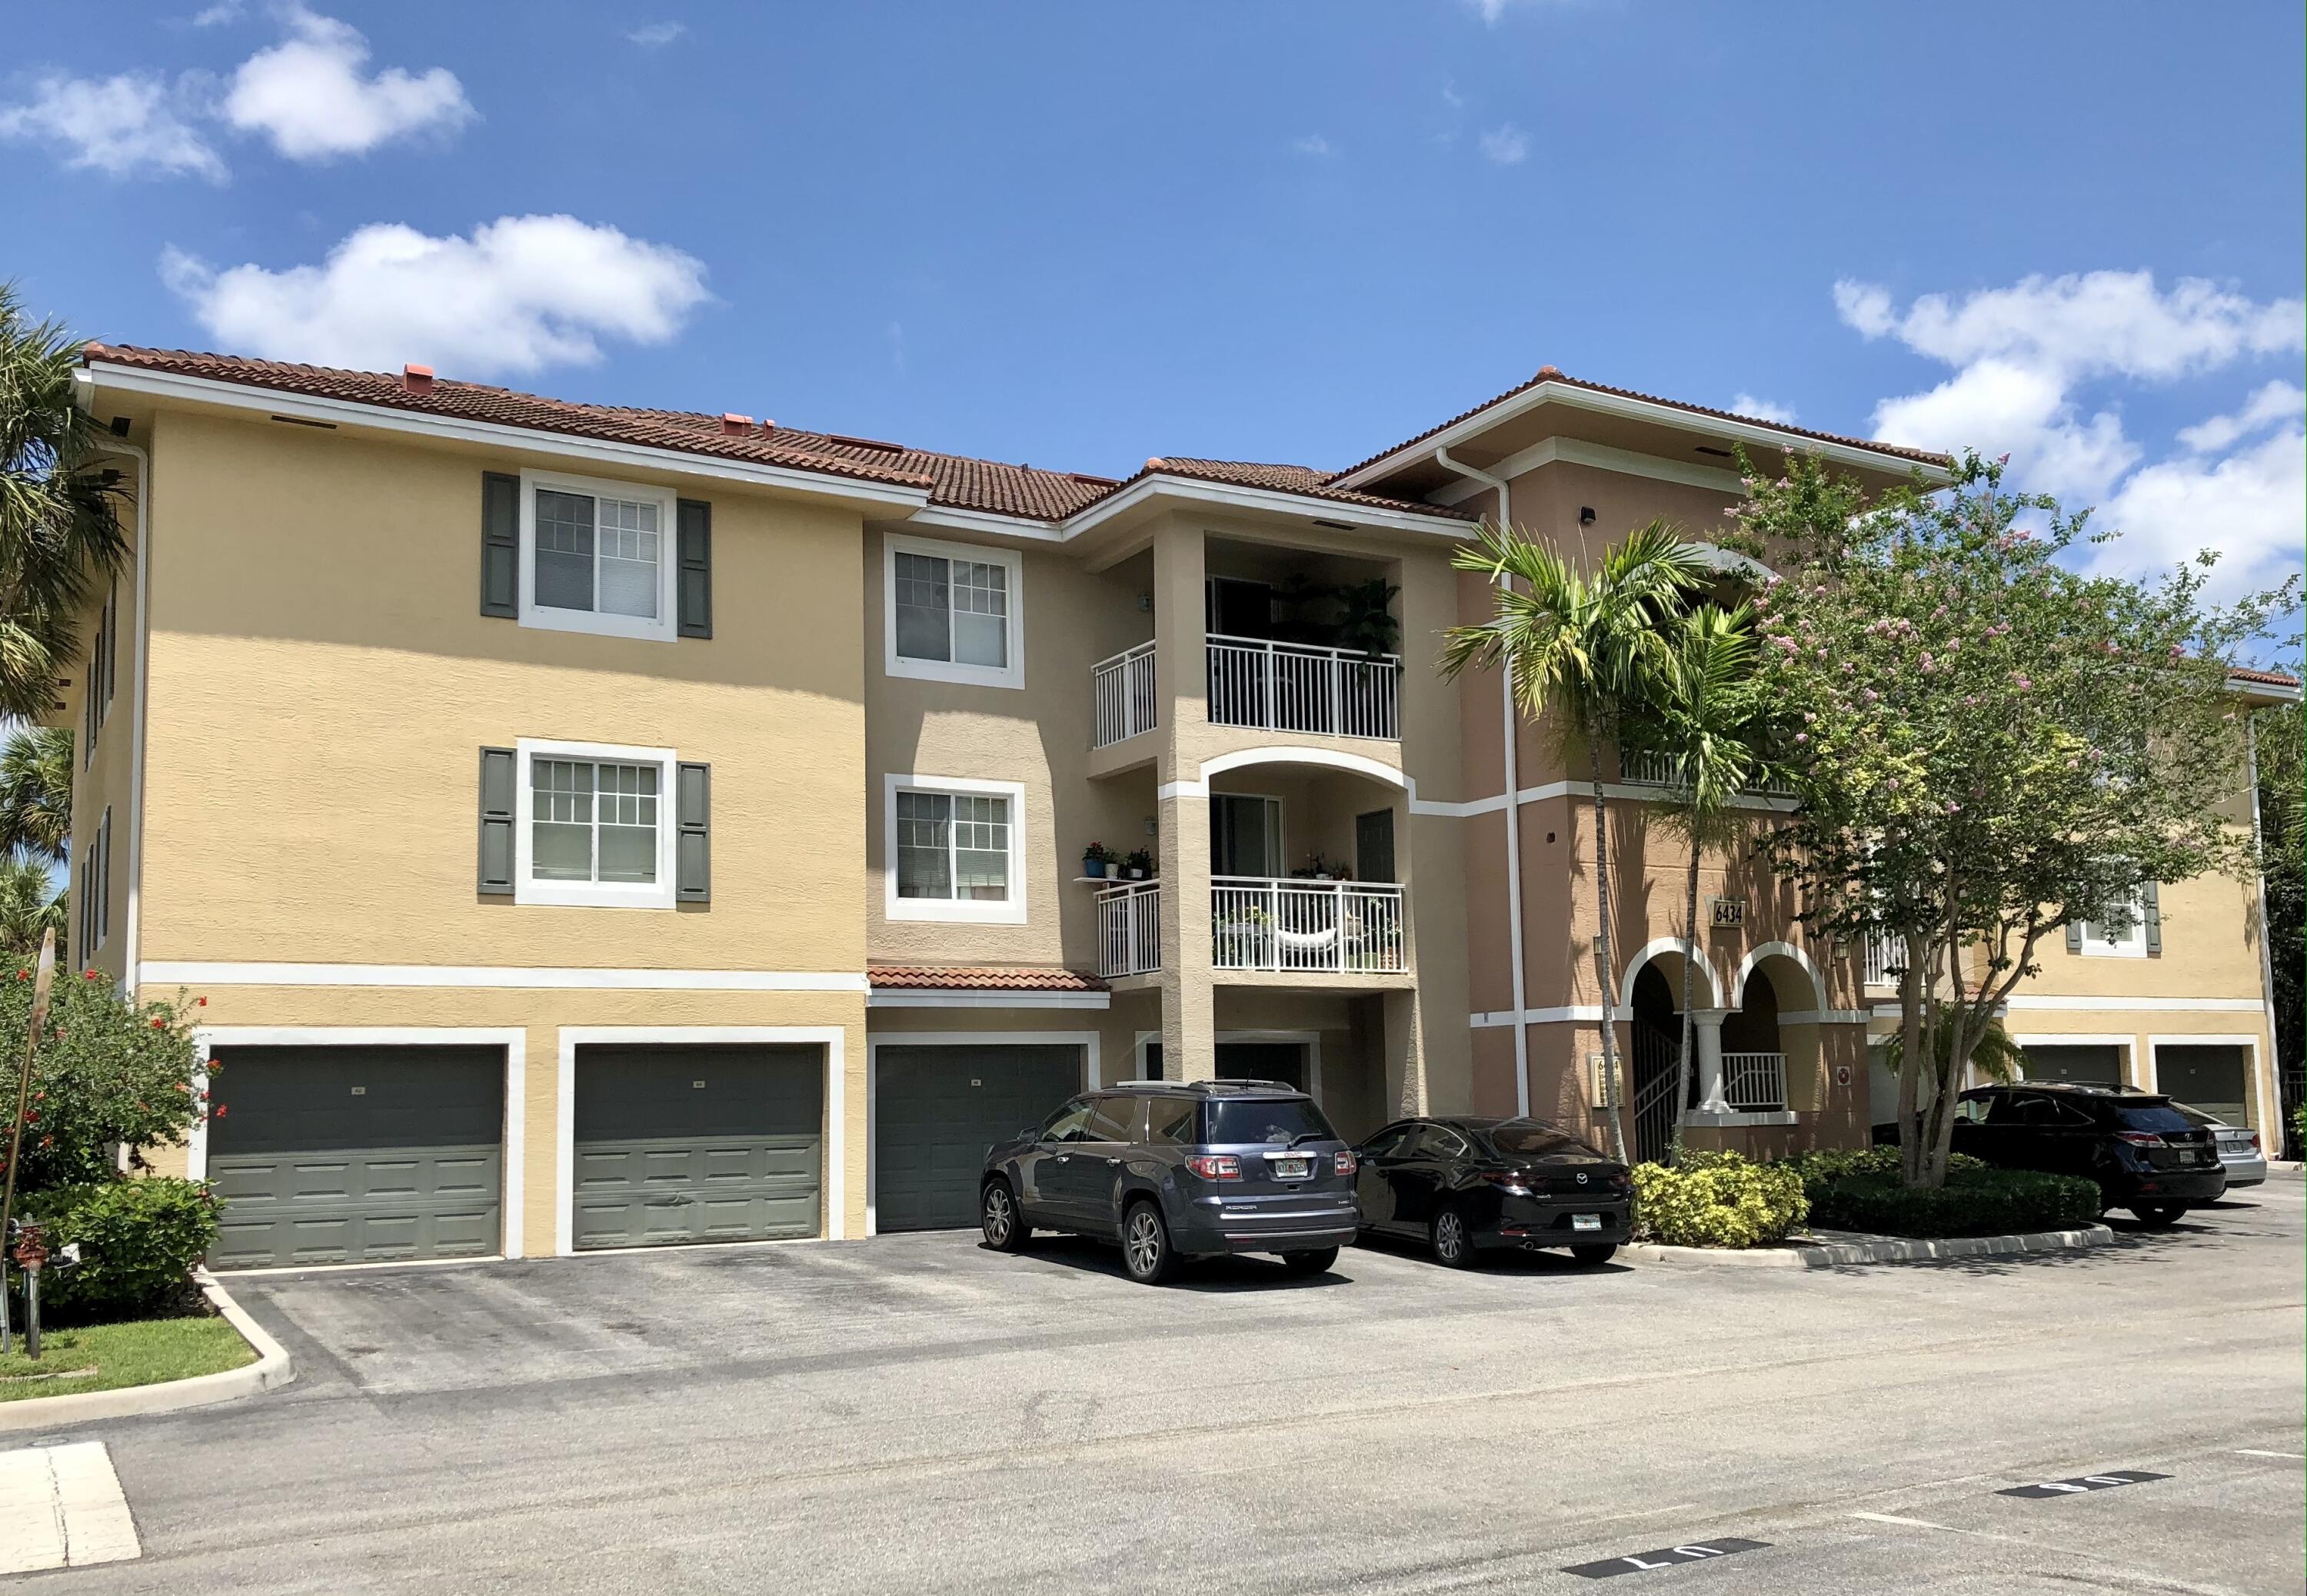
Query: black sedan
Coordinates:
[1462,1185]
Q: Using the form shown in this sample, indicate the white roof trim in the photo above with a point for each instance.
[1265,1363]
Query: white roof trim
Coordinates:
[1270,500]
[274,401]
[1759,433]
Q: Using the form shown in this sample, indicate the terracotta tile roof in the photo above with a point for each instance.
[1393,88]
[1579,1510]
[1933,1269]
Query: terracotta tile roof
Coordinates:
[1548,374]
[980,977]
[1303,479]
[2267,678]
[955,481]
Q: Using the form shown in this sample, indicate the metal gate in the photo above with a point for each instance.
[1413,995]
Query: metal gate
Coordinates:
[1657,1055]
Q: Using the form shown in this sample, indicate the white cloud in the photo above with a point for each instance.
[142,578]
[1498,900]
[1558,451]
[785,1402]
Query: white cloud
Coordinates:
[656,34]
[2022,358]
[1506,144]
[1762,410]
[225,11]
[2277,401]
[1312,144]
[307,96]
[130,125]
[1492,11]
[520,294]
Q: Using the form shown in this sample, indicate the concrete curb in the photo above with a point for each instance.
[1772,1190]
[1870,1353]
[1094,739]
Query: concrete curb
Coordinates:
[272,1369]
[1880,1249]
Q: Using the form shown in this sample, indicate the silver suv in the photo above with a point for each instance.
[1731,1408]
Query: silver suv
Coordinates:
[1179,1169]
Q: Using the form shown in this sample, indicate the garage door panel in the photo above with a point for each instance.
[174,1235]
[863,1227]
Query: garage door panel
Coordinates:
[691,1144]
[356,1207]
[937,1111]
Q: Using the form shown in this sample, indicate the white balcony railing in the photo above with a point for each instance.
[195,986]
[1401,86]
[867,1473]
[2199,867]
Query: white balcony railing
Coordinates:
[1647,767]
[1752,1082]
[1129,928]
[1884,957]
[1122,690]
[1338,927]
[1293,687]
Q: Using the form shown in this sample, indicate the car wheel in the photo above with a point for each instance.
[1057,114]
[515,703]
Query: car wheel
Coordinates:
[1145,1245]
[1598,1252]
[1312,1261]
[2159,1213]
[1003,1226]
[1453,1242]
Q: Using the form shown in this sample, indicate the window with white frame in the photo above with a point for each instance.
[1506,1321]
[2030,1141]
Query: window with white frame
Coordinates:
[597,556]
[2118,937]
[593,825]
[956,849]
[953,613]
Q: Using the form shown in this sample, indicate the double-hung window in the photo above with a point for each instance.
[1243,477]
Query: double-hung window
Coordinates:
[595,825]
[956,849]
[953,613]
[597,556]
[2118,938]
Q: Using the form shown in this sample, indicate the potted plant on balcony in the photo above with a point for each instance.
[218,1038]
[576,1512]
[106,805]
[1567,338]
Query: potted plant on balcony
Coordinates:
[1139,865]
[1368,623]
[1095,859]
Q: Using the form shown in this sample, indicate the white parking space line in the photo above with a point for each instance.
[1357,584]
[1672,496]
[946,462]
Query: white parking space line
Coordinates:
[2255,1452]
[1920,1524]
[62,1507]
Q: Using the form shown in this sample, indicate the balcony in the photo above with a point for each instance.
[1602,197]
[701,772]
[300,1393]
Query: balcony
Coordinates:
[1121,694]
[1290,926]
[1884,958]
[1299,687]
[1754,1082]
[1647,767]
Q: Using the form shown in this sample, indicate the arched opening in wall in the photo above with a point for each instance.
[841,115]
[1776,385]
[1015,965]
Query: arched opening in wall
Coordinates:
[1654,1015]
[1753,1046]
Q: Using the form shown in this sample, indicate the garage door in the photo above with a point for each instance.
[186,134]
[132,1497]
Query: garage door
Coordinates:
[356,1154]
[2213,1077]
[2092,1065]
[697,1144]
[936,1111]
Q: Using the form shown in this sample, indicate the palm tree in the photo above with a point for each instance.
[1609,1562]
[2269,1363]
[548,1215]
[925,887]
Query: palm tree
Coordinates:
[1592,648]
[59,509]
[36,783]
[1711,721]
[29,904]
[1998,1057]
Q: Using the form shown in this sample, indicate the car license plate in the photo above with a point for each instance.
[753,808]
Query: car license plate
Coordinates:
[2187,1155]
[1290,1169]
[1585,1221]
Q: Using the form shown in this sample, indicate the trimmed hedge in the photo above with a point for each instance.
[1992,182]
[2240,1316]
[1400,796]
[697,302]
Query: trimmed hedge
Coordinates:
[1717,1199]
[139,1242]
[1976,1202]
[1834,1164]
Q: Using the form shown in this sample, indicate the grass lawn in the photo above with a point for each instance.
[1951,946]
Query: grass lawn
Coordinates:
[143,1354]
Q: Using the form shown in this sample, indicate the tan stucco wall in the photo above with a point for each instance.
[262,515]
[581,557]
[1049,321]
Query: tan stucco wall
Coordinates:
[103,782]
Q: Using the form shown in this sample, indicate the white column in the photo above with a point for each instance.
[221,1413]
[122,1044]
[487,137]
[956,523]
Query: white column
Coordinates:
[1706,1024]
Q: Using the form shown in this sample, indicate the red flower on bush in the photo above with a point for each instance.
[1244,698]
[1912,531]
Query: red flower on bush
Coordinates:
[87,975]
[218,1111]
[200,1003]
[159,1024]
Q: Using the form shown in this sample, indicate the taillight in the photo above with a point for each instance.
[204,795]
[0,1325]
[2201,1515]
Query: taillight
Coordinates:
[1348,1163]
[1215,1166]
[2140,1139]
[1513,1179]
[2251,1136]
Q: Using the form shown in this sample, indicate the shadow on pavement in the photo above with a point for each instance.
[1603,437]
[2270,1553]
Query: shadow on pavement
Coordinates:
[1251,1273]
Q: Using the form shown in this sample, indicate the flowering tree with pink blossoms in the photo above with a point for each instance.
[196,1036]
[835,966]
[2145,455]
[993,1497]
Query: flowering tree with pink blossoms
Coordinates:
[1988,744]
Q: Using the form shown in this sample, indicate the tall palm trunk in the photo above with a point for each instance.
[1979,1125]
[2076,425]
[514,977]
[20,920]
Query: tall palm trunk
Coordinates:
[1689,957]
[1606,959]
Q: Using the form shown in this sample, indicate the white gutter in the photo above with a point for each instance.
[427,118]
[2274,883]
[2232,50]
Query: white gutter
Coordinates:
[139,673]
[2270,1080]
[1513,813]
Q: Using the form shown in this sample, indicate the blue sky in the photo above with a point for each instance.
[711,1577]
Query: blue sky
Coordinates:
[1081,235]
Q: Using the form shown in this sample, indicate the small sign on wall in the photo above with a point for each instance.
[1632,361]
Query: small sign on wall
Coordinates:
[1727,913]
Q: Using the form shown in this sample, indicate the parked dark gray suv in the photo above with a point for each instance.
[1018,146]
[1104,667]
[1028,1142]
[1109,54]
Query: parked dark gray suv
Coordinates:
[1179,1169]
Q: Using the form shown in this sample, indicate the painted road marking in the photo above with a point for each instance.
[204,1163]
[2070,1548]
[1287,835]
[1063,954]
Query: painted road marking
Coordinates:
[2081,1483]
[2287,1457]
[1667,1556]
[1920,1524]
[62,1507]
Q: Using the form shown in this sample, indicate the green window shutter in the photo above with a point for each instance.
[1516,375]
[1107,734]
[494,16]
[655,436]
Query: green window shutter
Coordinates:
[498,767]
[695,518]
[2153,898]
[2074,936]
[692,873]
[500,544]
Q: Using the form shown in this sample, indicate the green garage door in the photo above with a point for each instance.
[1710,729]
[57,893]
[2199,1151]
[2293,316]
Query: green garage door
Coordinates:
[697,1144]
[356,1154]
[936,1111]
[2095,1064]
[2212,1076]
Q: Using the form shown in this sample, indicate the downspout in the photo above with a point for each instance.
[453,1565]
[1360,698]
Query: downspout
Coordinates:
[2271,1076]
[1513,813]
[132,936]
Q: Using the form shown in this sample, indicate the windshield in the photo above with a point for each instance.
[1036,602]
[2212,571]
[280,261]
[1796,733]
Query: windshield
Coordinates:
[2194,1116]
[2151,1116]
[1517,1138]
[1281,1121]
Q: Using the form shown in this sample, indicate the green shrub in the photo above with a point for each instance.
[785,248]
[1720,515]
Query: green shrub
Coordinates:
[139,1242]
[1717,1199]
[1826,1165]
[106,1072]
[1976,1202]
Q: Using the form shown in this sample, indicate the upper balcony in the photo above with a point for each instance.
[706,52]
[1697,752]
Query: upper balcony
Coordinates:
[1264,924]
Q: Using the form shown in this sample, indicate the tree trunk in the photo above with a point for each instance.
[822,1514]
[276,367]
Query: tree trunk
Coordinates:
[1910,1063]
[1607,961]
[1689,958]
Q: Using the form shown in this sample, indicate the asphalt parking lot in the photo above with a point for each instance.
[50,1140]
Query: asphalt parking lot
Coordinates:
[918,1412]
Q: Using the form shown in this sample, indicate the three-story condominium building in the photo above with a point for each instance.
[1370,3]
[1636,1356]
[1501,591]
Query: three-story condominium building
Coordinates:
[595,827]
